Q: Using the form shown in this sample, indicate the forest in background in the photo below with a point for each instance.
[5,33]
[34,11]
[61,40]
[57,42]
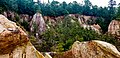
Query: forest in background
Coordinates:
[56,9]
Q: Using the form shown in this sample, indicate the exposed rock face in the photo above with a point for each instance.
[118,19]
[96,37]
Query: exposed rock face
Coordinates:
[25,17]
[39,22]
[11,15]
[47,55]
[74,15]
[14,42]
[83,20]
[114,27]
[92,49]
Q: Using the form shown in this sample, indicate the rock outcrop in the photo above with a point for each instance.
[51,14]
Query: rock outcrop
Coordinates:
[87,23]
[39,22]
[114,27]
[47,55]
[14,42]
[92,49]
[25,17]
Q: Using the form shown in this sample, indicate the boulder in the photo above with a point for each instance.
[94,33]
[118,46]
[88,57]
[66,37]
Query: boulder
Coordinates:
[114,27]
[92,49]
[14,42]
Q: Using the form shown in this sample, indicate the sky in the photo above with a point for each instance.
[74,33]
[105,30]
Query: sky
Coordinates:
[102,3]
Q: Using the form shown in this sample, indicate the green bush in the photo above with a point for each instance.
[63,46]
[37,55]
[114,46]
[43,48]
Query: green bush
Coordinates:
[64,34]
[25,24]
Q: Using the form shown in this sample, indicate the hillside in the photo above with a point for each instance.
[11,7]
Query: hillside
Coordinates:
[55,28]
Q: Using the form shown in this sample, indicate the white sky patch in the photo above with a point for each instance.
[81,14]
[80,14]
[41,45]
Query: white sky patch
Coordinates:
[94,2]
[102,2]
[35,0]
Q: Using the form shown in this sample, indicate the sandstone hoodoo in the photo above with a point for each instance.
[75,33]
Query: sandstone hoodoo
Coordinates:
[114,27]
[92,49]
[14,42]
[39,22]
[37,26]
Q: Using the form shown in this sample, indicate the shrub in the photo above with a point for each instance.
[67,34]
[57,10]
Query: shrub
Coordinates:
[64,34]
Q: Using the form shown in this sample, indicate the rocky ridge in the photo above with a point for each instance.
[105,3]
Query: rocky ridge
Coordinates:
[14,42]
[114,27]
[92,49]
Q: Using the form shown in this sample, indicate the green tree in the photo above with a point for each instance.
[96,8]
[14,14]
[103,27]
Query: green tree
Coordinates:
[25,7]
[64,5]
[118,14]
[9,5]
[94,10]
[64,34]
[87,7]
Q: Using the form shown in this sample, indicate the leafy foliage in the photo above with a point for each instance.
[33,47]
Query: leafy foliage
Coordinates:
[63,35]
[56,8]
[118,14]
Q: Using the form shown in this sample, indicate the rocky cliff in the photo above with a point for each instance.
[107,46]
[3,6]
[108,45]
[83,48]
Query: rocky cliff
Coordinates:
[114,27]
[88,22]
[92,49]
[14,42]
[39,22]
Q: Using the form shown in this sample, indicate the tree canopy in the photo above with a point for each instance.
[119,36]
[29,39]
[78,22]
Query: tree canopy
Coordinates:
[56,8]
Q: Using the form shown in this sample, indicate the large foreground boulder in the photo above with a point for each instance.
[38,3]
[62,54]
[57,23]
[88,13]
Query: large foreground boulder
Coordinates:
[92,49]
[14,42]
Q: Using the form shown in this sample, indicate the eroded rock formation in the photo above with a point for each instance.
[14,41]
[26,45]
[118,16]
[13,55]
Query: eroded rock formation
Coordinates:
[39,22]
[92,49]
[14,42]
[114,27]
[25,17]
[88,22]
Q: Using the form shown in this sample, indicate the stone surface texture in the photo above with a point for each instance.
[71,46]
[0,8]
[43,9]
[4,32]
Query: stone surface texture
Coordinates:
[14,42]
